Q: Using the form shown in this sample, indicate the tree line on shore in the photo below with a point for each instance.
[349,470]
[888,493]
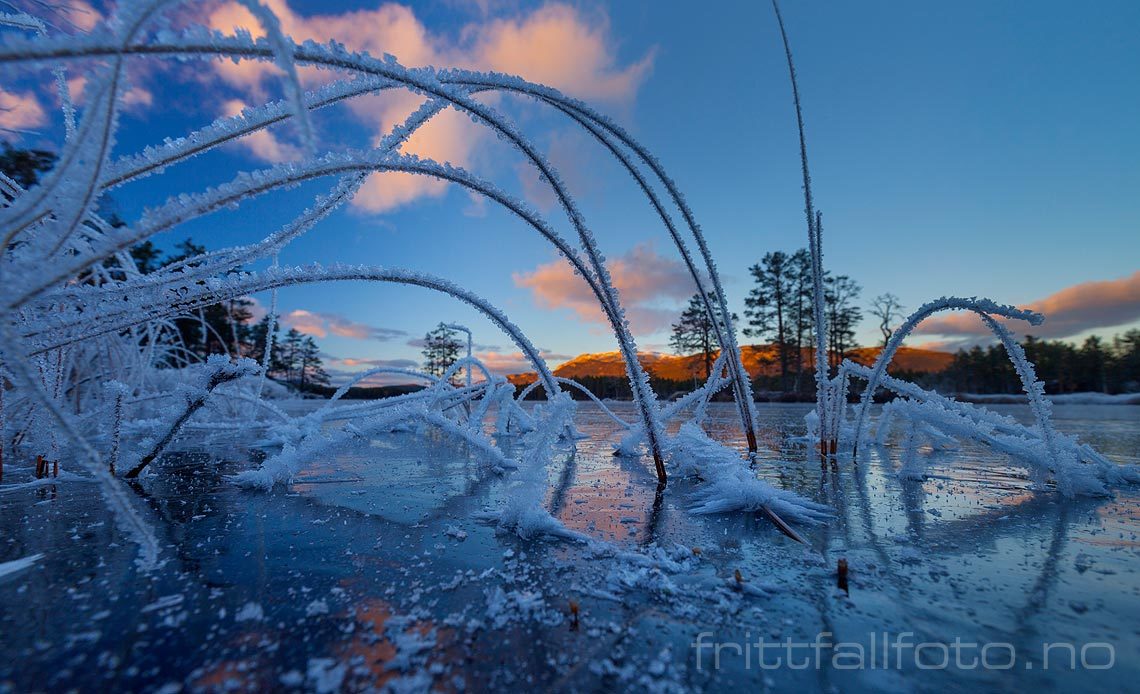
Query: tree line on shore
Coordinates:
[229,328]
[1097,365]
[778,309]
[222,328]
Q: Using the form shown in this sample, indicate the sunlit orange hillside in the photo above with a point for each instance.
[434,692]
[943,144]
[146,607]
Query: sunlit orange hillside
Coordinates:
[758,359]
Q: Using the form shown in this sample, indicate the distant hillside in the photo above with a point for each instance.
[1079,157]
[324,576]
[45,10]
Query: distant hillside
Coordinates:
[910,359]
[758,359]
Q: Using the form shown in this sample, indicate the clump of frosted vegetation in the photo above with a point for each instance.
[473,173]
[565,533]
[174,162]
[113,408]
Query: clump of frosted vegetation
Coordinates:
[100,381]
[1053,458]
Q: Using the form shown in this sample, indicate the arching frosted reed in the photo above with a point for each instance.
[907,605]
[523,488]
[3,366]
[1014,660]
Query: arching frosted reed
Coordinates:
[76,311]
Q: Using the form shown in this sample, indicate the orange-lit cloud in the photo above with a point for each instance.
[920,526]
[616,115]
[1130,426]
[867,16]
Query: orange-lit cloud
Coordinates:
[263,144]
[305,322]
[72,16]
[323,324]
[81,14]
[136,98]
[642,278]
[1071,311]
[556,45]
[20,111]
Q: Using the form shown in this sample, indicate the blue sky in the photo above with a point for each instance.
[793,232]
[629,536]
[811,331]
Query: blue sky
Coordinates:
[968,148]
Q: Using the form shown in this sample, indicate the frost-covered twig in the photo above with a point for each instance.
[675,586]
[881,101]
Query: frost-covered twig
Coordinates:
[220,370]
[815,248]
[985,309]
[424,81]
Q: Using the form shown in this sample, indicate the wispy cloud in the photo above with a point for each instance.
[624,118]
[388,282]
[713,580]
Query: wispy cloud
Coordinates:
[363,364]
[419,343]
[377,363]
[1071,311]
[641,276]
[322,324]
[343,369]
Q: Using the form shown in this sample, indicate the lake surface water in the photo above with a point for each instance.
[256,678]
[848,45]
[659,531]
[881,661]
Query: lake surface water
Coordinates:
[372,570]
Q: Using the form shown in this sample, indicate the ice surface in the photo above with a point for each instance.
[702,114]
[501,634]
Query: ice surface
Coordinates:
[458,516]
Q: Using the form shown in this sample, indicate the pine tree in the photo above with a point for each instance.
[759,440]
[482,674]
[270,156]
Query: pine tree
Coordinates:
[694,333]
[842,314]
[767,306]
[310,365]
[1093,366]
[256,346]
[24,166]
[290,354]
[802,317]
[441,350]
[146,256]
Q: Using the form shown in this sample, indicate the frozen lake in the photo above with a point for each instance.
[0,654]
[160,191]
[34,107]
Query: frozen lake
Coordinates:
[372,571]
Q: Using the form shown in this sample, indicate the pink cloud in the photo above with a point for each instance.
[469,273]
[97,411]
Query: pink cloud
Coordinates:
[323,324]
[504,362]
[305,322]
[20,111]
[642,278]
[555,44]
[450,136]
[72,16]
[1073,310]
[81,14]
[263,144]
[134,99]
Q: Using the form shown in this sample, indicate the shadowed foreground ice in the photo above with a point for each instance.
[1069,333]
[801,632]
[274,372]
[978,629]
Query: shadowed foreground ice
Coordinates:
[369,571]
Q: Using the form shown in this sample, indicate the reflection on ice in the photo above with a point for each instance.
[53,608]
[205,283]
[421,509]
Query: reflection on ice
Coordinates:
[370,570]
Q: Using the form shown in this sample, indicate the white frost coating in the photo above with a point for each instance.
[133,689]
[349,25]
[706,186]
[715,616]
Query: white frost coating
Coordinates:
[582,389]
[153,159]
[603,129]
[524,513]
[1078,469]
[1072,477]
[75,309]
[423,81]
[270,329]
[731,485]
[701,397]
[284,466]
[124,513]
[983,308]
[283,57]
[815,248]
[11,567]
